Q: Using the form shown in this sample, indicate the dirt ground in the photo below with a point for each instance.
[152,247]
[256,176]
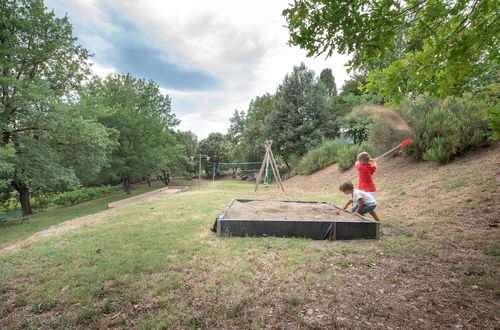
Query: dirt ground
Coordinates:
[281,210]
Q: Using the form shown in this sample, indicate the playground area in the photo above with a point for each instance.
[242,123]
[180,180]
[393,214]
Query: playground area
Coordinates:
[155,263]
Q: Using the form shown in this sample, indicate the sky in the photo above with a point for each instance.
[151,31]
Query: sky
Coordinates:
[210,57]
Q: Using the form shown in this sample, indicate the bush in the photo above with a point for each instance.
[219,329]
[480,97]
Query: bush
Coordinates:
[346,156]
[320,157]
[383,137]
[63,199]
[444,129]
[490,94]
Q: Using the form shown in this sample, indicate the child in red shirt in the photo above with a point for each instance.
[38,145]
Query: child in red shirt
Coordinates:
[366,166]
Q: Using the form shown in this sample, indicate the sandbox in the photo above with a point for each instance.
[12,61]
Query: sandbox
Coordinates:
[316,220]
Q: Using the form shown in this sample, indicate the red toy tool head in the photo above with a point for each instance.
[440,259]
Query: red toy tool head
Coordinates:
[406,142]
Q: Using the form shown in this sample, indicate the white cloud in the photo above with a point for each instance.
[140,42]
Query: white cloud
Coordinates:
[243,44]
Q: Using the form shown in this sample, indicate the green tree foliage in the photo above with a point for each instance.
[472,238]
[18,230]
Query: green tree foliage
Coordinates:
[234,133]
[250,146]
[327,81]
[444,44]
[176,160]
[189,143]
[353,86]
[55,145]
[236,127]
[301,119]
[214,149]
[142,117]
[356,125]
[350,96]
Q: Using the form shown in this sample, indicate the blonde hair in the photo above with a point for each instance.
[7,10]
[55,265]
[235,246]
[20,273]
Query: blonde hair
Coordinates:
[346,186]
[364,157]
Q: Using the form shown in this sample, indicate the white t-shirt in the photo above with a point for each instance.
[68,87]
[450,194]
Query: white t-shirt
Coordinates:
[368,199]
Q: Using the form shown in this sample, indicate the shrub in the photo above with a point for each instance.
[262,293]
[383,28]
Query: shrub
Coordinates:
[493,115]
[63,199]
[346,156]
[444,129]
[383,137]
[320,156]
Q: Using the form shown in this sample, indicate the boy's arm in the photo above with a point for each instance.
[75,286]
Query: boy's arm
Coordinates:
[349,202]
[360,206]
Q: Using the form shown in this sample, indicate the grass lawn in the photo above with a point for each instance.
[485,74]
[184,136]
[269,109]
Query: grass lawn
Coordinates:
[13,232]
[155,265]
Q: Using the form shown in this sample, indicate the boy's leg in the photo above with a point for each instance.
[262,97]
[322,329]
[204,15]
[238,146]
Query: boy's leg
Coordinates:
[374,215]
[371,210]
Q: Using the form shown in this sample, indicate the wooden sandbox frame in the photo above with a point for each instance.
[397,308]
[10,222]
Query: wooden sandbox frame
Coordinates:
[340,229]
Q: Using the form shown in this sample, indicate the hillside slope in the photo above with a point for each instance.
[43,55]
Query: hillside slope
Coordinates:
[421,192]
[451,215]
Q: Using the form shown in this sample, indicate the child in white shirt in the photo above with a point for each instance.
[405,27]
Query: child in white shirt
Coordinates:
[363,201]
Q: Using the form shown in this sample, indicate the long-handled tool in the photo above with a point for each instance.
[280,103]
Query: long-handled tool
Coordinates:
[402,145]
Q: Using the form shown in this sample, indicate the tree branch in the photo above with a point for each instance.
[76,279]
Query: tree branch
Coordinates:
[35,128]
[461,26]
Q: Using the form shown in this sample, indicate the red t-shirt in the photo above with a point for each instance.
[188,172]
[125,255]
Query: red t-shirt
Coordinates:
[365,174]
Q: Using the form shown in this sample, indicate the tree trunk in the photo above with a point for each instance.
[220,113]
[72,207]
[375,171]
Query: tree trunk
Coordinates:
[165,178]
[127,185]
[24,197]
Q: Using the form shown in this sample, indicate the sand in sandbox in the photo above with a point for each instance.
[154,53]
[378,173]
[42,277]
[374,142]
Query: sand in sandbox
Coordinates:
[279,210]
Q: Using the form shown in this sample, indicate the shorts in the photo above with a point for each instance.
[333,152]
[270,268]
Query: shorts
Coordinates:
[365,209]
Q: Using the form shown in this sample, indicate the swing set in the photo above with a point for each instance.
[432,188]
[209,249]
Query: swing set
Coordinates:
[268,164]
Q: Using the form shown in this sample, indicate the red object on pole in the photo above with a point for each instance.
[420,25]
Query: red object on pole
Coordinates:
[406,142]
[402,144]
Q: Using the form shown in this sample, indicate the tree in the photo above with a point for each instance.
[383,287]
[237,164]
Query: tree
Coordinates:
[446,43]
[189,142]
[142,116]
[55,146]
[251,143]
[301,119]
[176,161]
[352,86]
[236,127]
[234,133]
[216,148]
[327,79]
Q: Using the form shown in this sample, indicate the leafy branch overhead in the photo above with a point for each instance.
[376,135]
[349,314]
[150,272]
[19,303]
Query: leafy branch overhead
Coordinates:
[411,46]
